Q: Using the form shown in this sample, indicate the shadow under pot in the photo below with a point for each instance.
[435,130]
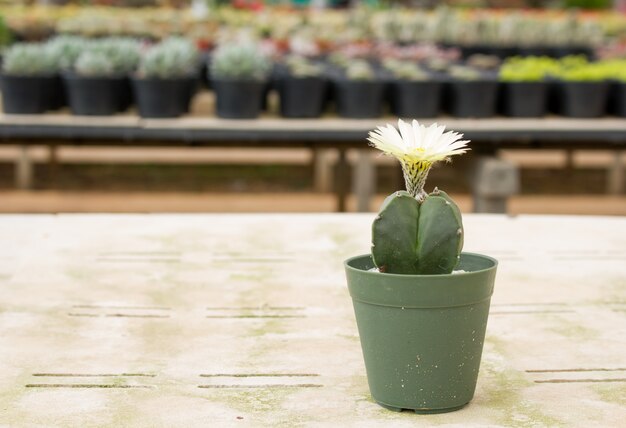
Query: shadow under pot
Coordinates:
[415,98]
[359,99]
[472,98]
[617,99]
[524,99]
[96,96]
[238,99]
[26,94]
[584,99]
[302,96]
[161,98]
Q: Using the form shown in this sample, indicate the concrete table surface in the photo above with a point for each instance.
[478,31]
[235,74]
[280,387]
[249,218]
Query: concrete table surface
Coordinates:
[245,320]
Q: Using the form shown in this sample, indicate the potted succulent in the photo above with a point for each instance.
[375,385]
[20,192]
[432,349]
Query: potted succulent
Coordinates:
[421,305]
[413,92]
[28,72]
[584,90]
[239,76]
[98,82]
[167,78]
[524,92]
[302,90]
[471,93]
[64,51]
[359,93]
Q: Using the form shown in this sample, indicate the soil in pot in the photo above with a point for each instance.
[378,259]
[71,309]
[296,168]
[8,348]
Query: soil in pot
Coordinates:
[472,98]
[415,99]
[524,99]
[238,99]
[422,335]
[359,99]
[302,96]
[96,96]
[159,98]
[26,94]
[584,99]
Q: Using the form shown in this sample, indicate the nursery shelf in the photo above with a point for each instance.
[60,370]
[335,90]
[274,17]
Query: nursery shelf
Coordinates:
[218,320]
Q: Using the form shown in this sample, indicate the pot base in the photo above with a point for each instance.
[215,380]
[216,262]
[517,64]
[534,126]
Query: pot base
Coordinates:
[422,411]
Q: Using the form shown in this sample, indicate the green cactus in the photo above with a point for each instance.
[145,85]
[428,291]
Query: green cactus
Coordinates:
[65,50]
[242,62]
[360,70]
[124,53]
[28,59]
[300,66]
[417,235]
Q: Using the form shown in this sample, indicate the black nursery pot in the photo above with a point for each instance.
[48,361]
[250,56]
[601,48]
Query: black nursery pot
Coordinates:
[302,96]
[472,98]
[359,99]
[238,99]
[415,98]
[97,96]
[524,99]
[26,94]
[160,98]
[584,99]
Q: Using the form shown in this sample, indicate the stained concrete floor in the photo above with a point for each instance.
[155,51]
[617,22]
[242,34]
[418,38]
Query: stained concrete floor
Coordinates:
[245,320]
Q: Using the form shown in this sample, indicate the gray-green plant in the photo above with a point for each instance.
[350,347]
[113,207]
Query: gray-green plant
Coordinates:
[124,53]
[94,64]
[460,72]
[406,70]
[28,59]
[300,66]
[66,49]
[172,58]
[240,62]
[360,70]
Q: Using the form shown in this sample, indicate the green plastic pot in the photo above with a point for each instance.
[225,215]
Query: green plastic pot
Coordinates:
[422,335]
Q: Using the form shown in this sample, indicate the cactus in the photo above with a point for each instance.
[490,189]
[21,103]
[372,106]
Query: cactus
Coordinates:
[28,59]
[300,66]
[412,236]
[172,58]
[415,232]
[242,62]
[123,53]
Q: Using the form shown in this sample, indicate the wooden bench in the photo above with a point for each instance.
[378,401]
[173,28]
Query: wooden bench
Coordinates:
[487,135]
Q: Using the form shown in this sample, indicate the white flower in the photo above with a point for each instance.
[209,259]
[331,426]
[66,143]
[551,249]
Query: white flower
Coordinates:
[417,147]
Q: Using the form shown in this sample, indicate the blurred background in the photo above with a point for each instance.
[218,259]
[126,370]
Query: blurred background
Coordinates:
[264,106]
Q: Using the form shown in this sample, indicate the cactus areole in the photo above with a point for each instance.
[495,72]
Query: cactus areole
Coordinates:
[416,232]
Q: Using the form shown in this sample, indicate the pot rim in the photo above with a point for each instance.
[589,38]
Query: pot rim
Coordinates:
[440,275]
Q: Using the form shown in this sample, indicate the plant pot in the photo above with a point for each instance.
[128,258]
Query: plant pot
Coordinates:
[415,99]
[26,94]
[359,99]
[96,96]
[159,98]
[238,99]
[584,99]
[422,335]
[472,98]
[618,99]
[302,97]
[524,99]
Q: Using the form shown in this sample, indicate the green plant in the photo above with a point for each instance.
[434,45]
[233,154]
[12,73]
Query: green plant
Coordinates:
[528,69]
[242,62]
[65,50]
[360,70]
[5,33]
[94,64]
[173,57]
[300,66]
[416,232]
[28,59]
